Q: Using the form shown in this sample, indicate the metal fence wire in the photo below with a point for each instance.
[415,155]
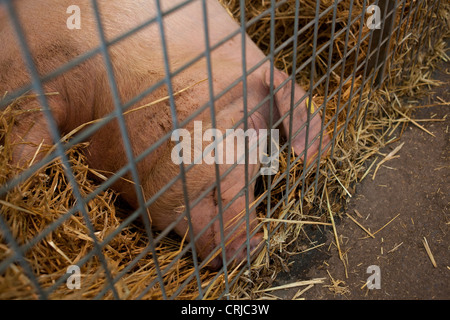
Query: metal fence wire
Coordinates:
[103,211]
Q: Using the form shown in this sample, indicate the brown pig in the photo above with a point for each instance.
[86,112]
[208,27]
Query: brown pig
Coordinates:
[84,94]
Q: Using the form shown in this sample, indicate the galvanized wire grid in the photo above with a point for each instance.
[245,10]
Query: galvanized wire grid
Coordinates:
[389,31]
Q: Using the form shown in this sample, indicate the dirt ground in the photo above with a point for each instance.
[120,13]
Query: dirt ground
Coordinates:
[409,197]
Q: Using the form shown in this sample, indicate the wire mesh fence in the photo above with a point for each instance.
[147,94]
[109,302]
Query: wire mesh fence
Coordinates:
[117,118]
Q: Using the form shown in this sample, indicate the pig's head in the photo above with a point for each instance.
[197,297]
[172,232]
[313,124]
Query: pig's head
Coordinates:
[222,216]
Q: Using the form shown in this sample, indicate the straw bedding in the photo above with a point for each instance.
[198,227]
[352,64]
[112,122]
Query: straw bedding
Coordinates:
[47,196]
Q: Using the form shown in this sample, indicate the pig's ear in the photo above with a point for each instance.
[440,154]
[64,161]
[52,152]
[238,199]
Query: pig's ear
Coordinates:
[284,94]
[300,115]
[282,99]
[278,78]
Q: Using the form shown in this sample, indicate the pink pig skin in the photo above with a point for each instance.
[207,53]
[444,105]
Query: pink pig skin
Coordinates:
[85,95]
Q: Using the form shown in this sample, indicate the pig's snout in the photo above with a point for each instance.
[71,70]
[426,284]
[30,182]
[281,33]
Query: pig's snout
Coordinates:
[236,251]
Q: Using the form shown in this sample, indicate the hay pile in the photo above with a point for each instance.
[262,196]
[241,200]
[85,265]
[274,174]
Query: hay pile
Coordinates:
[47,196]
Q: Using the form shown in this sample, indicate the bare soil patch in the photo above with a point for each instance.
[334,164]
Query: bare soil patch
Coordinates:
[409,201]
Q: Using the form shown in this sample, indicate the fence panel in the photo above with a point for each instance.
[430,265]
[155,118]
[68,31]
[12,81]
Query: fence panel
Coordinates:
[115,197]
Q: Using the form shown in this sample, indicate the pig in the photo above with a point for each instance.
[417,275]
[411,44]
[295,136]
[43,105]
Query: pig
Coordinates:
[84,94]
